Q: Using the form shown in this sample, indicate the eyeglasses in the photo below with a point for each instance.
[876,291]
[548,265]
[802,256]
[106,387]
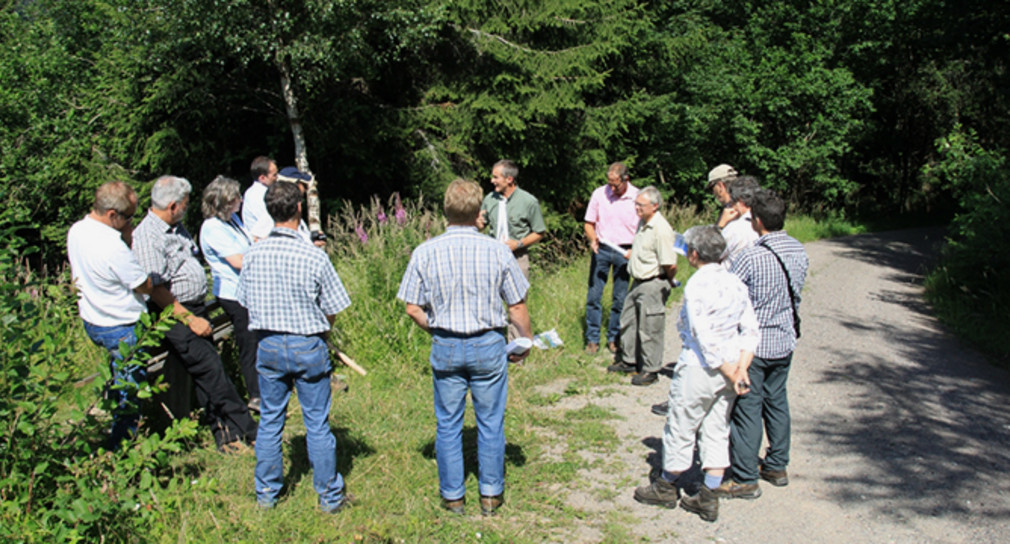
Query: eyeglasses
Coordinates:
[640,205]
[124,216]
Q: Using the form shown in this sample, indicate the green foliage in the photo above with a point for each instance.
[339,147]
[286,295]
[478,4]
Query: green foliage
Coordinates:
[56,483]
[971,286]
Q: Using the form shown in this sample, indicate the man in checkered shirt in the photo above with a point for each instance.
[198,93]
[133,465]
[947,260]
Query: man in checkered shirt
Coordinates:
[453,288]
[767,402]
[293,295]
[170,257]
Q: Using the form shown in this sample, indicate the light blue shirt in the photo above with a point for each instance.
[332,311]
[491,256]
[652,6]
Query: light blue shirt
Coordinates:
[461,278]
[220,239]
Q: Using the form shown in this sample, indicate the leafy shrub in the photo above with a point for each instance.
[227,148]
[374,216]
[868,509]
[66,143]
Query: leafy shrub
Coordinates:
[57,484]
[971,285]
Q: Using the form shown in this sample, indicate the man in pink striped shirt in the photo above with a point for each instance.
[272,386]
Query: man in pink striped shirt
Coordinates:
[610,226]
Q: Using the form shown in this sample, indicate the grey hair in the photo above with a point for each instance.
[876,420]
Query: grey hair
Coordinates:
[169,189]
[743,189]
[707,241]
[509,169]
[116,196]
[218,197]
[652,193]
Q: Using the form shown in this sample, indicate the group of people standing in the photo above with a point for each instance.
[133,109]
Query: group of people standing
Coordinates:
[468,290]
[738,324]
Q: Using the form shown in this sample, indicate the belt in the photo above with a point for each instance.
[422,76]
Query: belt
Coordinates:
[450,334]
[658,277]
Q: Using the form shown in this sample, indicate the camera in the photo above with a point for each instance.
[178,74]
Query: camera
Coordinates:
[318,236]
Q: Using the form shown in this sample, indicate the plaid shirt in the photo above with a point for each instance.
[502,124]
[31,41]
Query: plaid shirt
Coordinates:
[289,285]
[766,285]
[461,278]
[170,256]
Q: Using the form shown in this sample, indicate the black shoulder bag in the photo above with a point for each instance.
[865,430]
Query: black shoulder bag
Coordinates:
[789,286]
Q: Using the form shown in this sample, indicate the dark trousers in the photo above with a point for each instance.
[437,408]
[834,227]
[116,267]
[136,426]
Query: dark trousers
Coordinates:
[228,416]
[767,404]
[246,342]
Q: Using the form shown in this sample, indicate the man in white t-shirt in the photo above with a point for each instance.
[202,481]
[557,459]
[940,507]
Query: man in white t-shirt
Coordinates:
[110,287]
[254,209]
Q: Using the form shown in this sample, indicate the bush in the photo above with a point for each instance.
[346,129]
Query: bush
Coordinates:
[57,483]
[971,285]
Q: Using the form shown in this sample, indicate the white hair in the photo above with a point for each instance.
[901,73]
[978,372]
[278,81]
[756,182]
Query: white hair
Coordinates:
[169,189]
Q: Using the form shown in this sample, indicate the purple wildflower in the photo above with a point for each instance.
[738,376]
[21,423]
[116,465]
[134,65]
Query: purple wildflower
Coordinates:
[401,213]
[381,216]
[362,235]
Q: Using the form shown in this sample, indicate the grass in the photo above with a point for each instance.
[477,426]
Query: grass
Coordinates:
[385,425]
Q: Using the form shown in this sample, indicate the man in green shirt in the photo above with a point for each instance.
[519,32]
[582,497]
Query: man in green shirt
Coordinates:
[513,217]
[512,214]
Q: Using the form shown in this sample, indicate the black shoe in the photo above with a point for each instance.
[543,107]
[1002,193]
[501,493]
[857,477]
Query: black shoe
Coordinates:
[660,493]
[661,409]
[621,366]
[645,378]
[254,405]
[704,503]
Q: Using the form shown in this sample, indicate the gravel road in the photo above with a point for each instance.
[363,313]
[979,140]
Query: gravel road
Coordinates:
[900,434]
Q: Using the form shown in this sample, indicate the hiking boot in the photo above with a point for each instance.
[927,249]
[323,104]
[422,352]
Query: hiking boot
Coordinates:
[661,409]
[621,366]
[612,346]
[644,378]
[592,348]
[456,506]
[704,503]
[777,478]
[489,505]
[731,489]
[660,493]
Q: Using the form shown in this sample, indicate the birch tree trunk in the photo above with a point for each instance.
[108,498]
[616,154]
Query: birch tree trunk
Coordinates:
[301,156]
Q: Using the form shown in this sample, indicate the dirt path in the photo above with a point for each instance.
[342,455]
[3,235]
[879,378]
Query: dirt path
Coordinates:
[899,433]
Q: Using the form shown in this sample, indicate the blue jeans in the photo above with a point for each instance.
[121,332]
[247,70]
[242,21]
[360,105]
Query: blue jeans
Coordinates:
[125,379]
[285,361]
[477,363]
[603,263]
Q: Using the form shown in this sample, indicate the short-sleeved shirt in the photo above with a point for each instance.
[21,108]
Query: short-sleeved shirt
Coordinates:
[106,273]
[523,210]
[460,279]
[254,211]
[652,248]
[717,319]
[170,256]
[289,285]
[769,292]
[218,240]
[614,217]
[739,234]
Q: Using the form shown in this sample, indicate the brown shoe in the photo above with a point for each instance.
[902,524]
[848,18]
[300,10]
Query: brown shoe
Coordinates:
[592,348]
[704,503]
[778,478]
[731,489]
[489,505]
[612,346]
[660,493]
[456,506]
